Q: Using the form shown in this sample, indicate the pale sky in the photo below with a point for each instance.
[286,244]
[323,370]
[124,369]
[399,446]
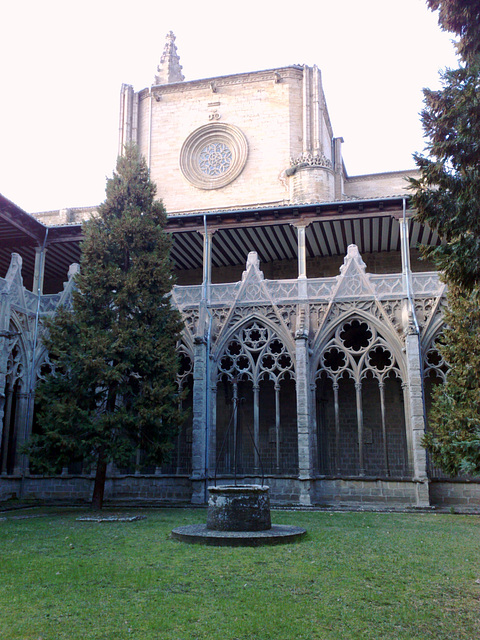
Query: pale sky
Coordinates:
[62,65]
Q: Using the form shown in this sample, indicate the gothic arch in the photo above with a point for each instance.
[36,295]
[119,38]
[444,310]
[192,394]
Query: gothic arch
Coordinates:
[14,400]
[435,369]
[359,399]
[387,333]
[435,328]
[255,400]
[187,341]
[231,330]
[182,456]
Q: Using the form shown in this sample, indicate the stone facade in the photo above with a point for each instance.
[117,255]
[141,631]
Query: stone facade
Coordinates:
[287,154]
[308,353]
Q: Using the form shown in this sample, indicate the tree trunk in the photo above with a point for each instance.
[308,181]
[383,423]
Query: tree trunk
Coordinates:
[99,487]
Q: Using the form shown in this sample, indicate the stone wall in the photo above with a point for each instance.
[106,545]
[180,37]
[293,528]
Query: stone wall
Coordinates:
[455,494]
[359,492]
[267,112]
[284,490]
[378,185]
[78,488]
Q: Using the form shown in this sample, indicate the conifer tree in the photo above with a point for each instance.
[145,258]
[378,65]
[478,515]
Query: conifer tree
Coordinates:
[447,198]
[113,387]
[453,437]
[447,195]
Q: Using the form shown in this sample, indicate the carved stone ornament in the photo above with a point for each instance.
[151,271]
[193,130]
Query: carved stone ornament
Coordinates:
[213,155]
[307,159]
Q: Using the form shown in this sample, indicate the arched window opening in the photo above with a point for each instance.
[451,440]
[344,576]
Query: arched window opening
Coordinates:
[13,410]
[256,405]
[434,373]
[361,428]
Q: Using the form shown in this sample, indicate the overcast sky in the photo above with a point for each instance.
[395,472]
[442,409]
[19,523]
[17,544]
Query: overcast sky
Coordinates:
[62,65]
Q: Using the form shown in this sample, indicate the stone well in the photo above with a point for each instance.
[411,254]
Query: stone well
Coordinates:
[238,516]
[239,508]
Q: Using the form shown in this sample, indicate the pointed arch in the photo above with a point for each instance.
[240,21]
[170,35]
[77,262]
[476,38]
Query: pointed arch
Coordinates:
[256,399]
[388,333]
[234,328]
[12,428]
[359,372]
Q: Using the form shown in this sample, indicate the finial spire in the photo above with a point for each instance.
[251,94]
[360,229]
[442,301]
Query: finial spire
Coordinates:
[169,70]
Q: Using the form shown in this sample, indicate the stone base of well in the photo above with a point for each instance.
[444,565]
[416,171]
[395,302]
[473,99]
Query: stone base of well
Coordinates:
[277,534]
[239,508]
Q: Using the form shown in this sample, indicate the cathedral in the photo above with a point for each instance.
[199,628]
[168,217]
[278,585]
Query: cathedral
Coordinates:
[308,354]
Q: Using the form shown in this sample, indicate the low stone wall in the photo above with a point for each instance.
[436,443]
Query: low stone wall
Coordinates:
[326,492]
[454,493]
[63,488]
[368,492]
[336,491]
[9,488]
[148,488]
[79,488]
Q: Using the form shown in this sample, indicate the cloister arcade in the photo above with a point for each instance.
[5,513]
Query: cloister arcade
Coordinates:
[317,384]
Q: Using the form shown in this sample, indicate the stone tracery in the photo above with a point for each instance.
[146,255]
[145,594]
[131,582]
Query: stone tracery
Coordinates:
[255,355]
[354,361]
[214,159]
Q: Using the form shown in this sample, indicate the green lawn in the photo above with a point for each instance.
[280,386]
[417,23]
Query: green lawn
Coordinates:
[355,575]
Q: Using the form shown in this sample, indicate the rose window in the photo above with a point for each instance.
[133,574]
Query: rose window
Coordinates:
[213,155]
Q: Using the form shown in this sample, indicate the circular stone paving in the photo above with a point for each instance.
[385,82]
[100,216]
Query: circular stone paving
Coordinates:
[277,534]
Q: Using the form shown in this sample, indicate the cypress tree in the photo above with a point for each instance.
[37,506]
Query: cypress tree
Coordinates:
[113,387]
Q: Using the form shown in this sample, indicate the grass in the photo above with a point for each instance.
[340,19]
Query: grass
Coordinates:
[372,576]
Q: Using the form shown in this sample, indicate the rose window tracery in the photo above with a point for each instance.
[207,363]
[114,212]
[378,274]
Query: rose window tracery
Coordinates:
[213,155]
[215,159]
[185,369]
[15,367]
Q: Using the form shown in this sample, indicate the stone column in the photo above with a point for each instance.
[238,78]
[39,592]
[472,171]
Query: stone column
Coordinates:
[307,105]
[23,429]
[39,272]
[415,408]
[212,440]
[304,424]
[207,257]
[199,421]
[405,254]
[416,419]
[6,432]
[5,347]
[302,251]
[338,167]
[302,260]
[202,411]
[256,426]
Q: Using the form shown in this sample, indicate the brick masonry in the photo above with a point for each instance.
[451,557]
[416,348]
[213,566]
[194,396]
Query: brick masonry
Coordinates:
[151,489]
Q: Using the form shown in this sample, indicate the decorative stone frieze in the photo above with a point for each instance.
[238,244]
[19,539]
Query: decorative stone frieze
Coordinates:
[308,159]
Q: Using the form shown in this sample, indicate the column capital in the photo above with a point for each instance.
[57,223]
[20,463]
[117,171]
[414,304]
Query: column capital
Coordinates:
[210,232]
[301,224]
